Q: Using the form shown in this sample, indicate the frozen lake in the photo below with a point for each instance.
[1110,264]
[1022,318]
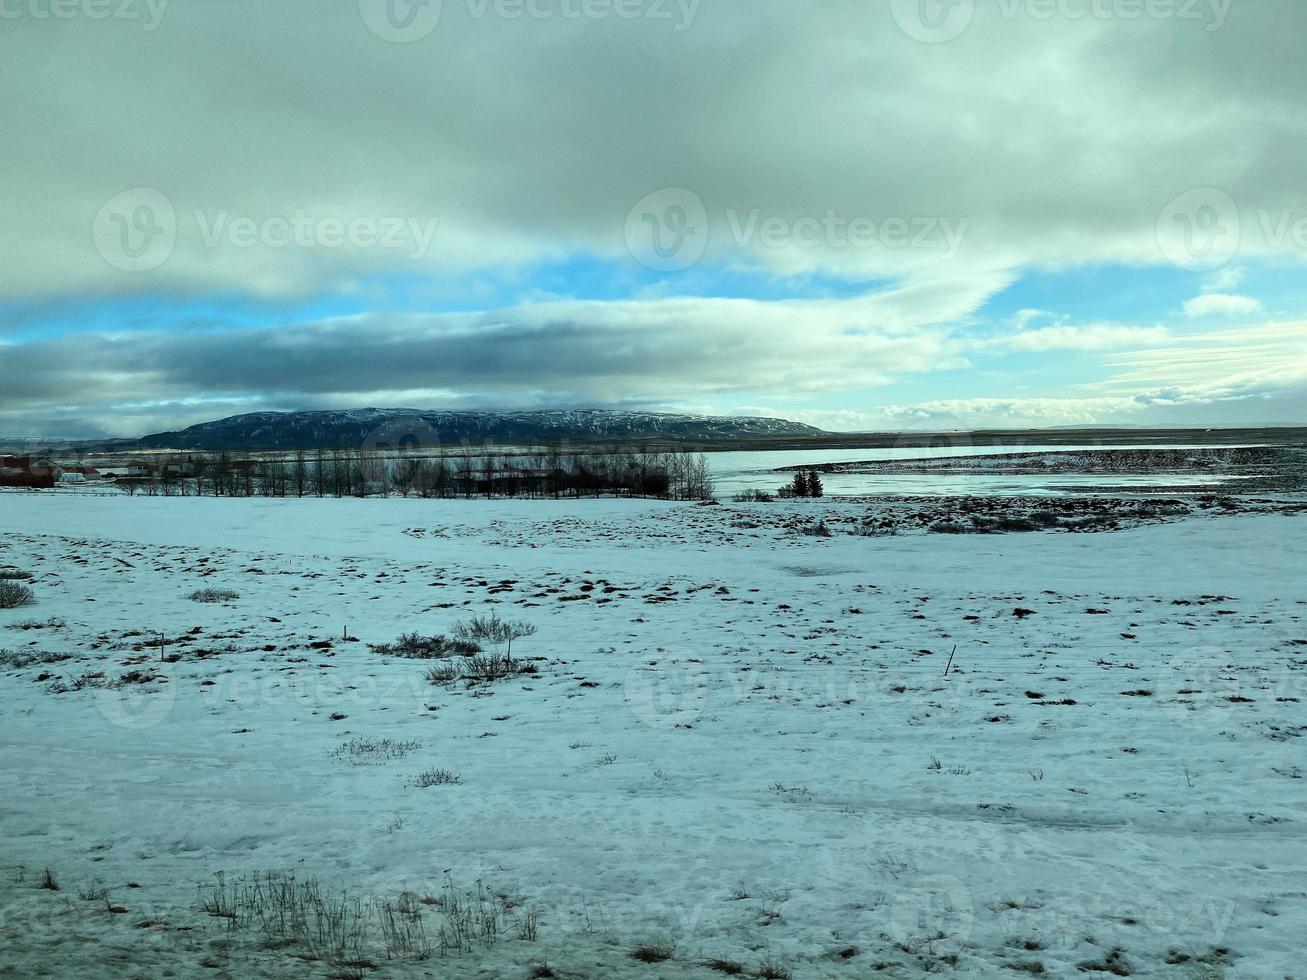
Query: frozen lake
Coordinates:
[736,471]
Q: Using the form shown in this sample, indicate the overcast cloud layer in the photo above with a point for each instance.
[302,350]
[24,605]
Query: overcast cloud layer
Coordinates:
[288,152]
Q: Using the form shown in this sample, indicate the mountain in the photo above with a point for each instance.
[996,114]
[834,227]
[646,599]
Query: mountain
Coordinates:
[395,427]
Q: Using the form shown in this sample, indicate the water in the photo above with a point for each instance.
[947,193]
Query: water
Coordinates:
[736,471]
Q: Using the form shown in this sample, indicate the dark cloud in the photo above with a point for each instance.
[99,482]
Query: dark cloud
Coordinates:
[1059,139]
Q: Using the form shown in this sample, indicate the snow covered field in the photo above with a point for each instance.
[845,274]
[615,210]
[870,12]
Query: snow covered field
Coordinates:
[739,742]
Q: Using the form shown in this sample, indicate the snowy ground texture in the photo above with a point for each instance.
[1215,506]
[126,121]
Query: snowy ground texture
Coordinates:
[739,744]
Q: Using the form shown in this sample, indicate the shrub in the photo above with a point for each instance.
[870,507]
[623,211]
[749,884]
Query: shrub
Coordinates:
[443,674]
[13,595]
[482,668]
[492,630]
[213,595]
[413,646]
[489,667]
[870,528]
[93,679]
[19,659]
[753,497]
[14,575]
[818,530]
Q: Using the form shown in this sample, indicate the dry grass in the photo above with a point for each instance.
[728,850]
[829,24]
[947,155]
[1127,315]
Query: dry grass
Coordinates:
[729,967]
[653,952]
[351,933]
[365,751]
[436,777]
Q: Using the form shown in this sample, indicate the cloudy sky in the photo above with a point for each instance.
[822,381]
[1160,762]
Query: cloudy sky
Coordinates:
[881,214]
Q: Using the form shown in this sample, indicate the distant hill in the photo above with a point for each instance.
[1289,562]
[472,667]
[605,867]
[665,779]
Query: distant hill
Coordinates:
[395,427]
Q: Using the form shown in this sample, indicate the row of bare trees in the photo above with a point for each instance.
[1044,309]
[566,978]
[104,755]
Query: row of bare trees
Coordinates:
[370,472]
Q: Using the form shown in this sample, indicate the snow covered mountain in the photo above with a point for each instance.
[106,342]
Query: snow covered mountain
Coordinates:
[394,427]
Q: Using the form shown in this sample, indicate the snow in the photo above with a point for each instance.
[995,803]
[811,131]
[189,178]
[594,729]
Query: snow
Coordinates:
[729,747]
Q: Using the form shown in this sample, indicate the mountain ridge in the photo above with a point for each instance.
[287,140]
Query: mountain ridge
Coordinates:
[345,428]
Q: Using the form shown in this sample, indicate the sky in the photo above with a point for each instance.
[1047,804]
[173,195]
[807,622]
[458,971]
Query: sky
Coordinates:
[874,215]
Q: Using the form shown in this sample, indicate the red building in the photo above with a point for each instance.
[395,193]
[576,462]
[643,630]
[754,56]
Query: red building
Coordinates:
[32,472]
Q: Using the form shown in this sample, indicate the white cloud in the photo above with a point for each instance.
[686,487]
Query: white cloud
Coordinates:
[1252,362]
[1221,304]
[1224,280]
[1073,337]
